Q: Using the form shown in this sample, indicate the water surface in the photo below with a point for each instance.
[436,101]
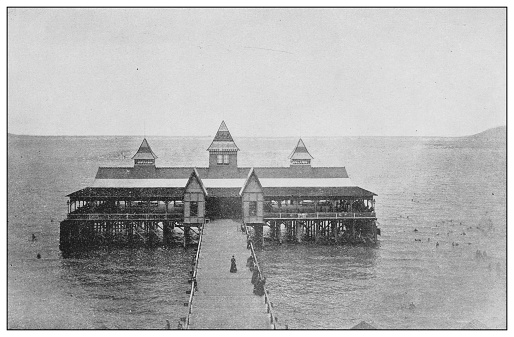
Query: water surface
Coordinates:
[450,190]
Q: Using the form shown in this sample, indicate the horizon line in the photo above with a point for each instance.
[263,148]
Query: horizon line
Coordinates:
[210,136]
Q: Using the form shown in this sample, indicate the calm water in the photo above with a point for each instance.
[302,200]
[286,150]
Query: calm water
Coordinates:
[450,190]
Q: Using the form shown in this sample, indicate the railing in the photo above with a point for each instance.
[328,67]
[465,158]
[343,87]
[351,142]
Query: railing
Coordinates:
[125,216]
[320,215]
[193,281]
[269,305]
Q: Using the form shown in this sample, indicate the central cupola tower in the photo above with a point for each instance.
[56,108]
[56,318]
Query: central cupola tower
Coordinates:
[223,149]
[144,156]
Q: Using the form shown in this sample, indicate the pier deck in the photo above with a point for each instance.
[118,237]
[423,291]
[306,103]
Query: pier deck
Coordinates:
[225,300]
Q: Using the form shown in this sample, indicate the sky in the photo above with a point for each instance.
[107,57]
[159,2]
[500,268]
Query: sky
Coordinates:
[268,72]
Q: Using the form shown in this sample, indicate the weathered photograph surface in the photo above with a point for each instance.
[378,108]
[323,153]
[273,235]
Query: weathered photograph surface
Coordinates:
[256,168]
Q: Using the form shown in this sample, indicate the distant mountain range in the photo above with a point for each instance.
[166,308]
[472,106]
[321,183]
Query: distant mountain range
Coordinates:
[495,134]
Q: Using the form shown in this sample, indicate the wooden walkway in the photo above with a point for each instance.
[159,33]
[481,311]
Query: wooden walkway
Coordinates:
[225,300]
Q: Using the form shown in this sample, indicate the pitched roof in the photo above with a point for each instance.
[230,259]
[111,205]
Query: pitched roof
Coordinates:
[144,172]
[150,172]
[247,181]
[301,172]
[300,151]
[195,175]
[178,192]
[130,193]
[223,140]
[144,152]
[276,181]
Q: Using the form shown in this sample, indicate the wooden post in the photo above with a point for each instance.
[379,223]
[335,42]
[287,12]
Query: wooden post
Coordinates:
[166,232]
[374,228]
[259,238]
[279,232]
[316,230]
[185,231]
[299,231]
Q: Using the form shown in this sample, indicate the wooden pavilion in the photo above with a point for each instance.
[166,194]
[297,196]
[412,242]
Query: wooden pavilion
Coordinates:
[143,204]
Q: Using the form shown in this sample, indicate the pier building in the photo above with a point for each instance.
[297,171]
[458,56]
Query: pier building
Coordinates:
[145,203]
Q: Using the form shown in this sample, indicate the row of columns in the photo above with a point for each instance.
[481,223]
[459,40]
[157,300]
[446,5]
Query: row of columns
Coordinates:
[73,205]
[315,230]
[296,203]
[79,234]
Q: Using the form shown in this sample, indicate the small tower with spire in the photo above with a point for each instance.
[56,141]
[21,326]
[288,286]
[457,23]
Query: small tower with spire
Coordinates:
[223,149]
[144,156]
[300,155]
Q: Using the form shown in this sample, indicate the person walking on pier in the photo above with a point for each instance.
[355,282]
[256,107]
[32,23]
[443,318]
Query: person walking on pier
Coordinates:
[258,288]
[250,263]
[255,276]
[233,268]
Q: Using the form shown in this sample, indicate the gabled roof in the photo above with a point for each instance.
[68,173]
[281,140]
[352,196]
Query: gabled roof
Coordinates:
[144,152]
[195,175]
[250,175]
[223,140]
[300,151]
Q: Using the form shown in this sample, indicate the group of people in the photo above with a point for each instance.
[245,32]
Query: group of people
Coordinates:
[257,281]
[339,206]
[346,236]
